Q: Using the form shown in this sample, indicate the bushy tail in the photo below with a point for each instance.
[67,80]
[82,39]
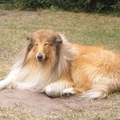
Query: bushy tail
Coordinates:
[97,91]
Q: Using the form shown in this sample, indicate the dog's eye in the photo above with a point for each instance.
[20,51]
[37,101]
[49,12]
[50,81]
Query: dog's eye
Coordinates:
[46,44]
[36,44]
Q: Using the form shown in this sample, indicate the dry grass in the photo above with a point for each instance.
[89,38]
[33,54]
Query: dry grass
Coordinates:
[87,29]
[11,114]
[106,109]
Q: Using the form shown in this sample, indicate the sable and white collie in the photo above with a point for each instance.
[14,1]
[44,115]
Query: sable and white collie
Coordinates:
[56,67]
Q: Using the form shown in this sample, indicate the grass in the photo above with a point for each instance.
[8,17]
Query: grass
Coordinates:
[99,110]
[11,114]
[82,28]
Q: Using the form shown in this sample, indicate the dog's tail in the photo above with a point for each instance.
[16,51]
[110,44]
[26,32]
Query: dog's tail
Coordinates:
[97,91]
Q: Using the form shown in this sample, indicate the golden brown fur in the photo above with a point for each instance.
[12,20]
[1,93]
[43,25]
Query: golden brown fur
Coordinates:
[96,69]
[56,67]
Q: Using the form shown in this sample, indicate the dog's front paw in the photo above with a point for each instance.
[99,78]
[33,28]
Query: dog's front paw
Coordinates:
[51,91]
[2,85]
[68,92]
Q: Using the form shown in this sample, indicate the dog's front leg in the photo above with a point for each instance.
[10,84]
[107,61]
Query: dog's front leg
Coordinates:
[4,83]
[9,80]
[55,89]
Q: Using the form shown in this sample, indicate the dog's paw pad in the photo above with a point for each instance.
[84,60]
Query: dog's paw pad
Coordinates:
[67,92]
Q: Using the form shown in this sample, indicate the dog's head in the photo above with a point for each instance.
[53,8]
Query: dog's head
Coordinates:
[43,44]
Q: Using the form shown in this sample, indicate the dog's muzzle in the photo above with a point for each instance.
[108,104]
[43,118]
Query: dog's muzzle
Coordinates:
[40,57]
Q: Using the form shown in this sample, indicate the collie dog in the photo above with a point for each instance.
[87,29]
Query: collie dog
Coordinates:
[52,65]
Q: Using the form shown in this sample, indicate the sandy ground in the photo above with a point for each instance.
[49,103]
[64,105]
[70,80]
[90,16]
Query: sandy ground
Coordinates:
[39,104]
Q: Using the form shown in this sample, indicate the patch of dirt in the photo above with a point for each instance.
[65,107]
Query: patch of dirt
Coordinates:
[42,105]
[39,104]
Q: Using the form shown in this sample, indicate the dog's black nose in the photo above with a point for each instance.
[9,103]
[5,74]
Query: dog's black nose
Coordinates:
[40,57]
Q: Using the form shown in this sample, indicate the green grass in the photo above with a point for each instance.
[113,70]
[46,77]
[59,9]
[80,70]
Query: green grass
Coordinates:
[82,28]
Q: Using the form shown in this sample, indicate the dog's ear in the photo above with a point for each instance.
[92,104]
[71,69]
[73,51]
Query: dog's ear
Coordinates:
[55,39]
[29,47]
[29,37]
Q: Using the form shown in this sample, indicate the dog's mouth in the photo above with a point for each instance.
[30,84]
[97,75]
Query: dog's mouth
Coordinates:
[40,60]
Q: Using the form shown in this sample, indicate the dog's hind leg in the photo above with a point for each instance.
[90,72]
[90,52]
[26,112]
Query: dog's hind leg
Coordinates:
[77,89]
[96,91]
